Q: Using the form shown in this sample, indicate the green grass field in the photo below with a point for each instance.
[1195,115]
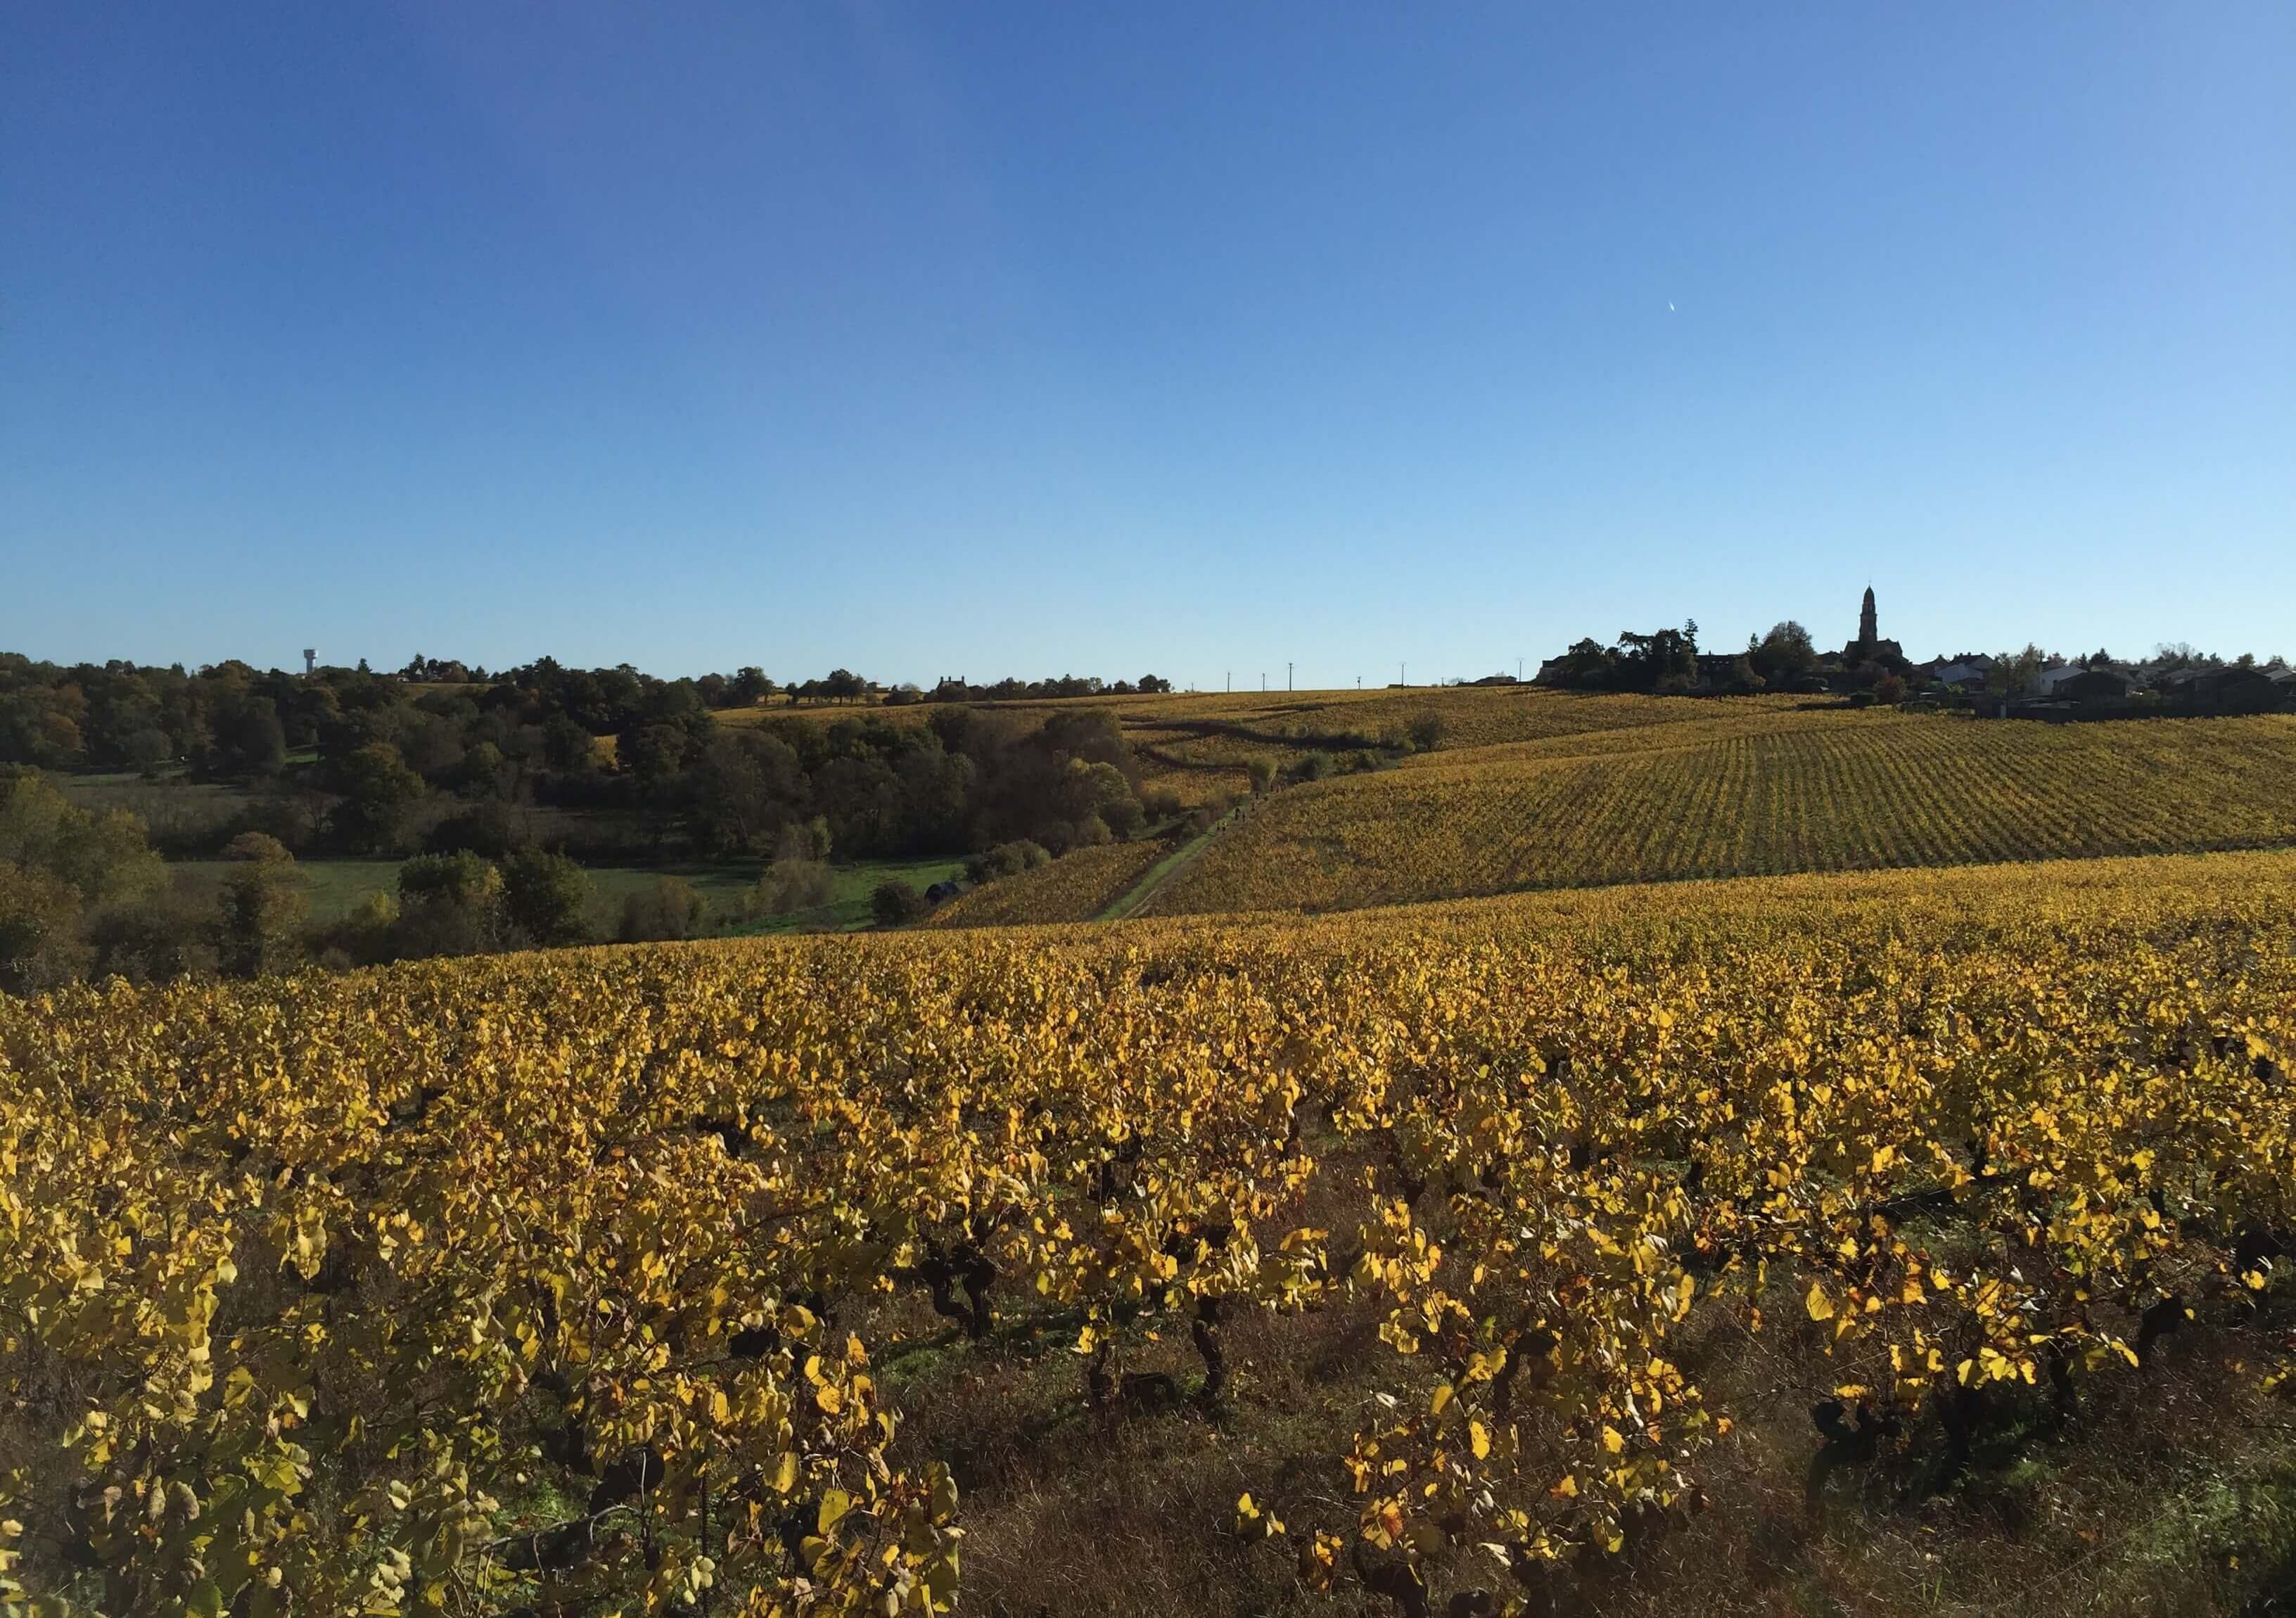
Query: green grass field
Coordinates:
[333,887]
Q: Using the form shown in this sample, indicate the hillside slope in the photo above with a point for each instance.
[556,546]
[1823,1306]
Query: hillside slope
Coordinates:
[1752,790]
[1831,1222]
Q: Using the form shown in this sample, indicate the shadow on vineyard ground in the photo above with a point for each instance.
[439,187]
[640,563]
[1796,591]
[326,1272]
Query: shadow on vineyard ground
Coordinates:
[2170,1490]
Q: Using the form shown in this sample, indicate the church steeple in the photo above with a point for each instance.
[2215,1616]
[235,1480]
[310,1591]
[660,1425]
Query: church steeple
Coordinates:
[1868,631]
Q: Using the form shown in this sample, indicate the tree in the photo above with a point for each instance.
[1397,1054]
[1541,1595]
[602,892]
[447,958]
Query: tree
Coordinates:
[546,897]
[99,857]
[246,737]
[1124,817]
[1262,771]
[566,746]
[1663,660]
[1785,654]
[483,773]
[259,847]
[488,829]
[1588,666]
[742,787]
[261,915]
[449,904]
[40,946]
[2014,673]
[894,902]
[377,787]
[1890,688]
[653,755]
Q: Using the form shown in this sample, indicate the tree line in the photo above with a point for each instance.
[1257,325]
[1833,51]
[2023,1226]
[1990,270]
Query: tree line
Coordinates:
[612,761]
[494,793]
[1668,662]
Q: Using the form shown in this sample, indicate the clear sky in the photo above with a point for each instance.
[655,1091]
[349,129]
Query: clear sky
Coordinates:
[969,337]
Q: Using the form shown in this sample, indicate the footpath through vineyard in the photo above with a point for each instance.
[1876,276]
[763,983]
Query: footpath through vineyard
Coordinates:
[574,1283]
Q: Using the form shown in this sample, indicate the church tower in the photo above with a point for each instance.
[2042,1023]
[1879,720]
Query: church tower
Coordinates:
[1868,631]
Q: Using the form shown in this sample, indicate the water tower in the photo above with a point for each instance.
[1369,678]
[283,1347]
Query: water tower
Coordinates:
[310,661]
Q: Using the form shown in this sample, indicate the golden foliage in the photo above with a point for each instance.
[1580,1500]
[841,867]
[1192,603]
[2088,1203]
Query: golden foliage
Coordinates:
[1074,888]
[1755,790]
[542,1279]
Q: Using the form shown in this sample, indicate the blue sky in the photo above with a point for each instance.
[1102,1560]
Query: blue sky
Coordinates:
[979,339]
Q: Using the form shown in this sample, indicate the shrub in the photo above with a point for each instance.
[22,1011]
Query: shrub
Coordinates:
[1315,767]
[794,884]
[1890,689]
[39,931]
[363,937]
[1262,771]
[259,846]
[1005,859]
[894,901]
[460,878]
[803,840]
[667,909]
[169,932]
[1426,731]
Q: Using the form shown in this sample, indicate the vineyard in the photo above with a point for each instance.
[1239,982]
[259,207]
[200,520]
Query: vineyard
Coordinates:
[1197,744]
[1200,743]
[1759,791]
[1895,1236]
[1076,887]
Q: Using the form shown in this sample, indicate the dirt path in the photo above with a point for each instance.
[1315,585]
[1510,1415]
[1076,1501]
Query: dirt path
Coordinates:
[1179,860]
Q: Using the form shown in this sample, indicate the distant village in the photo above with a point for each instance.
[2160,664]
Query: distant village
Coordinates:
[1868,668]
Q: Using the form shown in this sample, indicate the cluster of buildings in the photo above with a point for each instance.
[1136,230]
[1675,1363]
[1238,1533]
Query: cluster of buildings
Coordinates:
[2034,685]
[2169,682]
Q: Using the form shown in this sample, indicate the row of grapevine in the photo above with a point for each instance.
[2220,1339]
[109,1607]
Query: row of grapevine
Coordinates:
[1763,795]
[564,1282]
[1074,888]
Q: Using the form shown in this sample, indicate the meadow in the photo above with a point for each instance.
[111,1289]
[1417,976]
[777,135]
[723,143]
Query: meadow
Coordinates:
[333,888]
[1902,1243]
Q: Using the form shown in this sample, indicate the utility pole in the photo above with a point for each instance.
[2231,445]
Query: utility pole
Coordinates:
[1518,671]
[1287,677]
[1399,675]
